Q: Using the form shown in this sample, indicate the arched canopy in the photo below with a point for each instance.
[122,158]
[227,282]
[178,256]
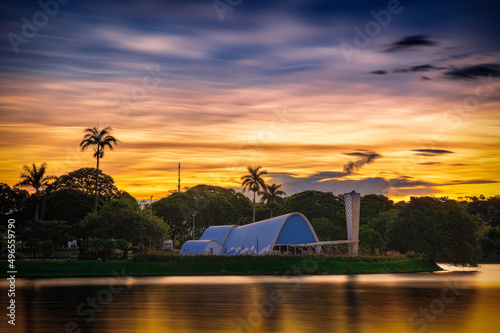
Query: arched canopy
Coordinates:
[217,233]
[196,247]
[260,237]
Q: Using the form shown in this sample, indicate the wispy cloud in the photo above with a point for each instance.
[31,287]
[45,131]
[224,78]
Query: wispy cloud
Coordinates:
[410,42]
[432,152]
[473,72]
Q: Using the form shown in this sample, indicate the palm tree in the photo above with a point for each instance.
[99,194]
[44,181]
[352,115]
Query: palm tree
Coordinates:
[272,196]
[99,139]
[253,181]
[35,177]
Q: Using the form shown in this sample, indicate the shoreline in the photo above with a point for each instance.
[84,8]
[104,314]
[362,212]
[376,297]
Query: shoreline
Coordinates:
[89,268]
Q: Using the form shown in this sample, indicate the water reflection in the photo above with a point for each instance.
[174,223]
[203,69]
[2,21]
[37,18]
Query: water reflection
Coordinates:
[443,302]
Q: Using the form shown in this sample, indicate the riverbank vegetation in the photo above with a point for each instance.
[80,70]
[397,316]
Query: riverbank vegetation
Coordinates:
[193,266]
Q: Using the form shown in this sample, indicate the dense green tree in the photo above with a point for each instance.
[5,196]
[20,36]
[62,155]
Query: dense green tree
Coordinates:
[262,212]
[124,219]
[68,205]
[487,245]
[95,246]
[254,182]
[100,248]
[123,245]
[83,180]
[99,139]
[326,230]
[369,240]
[45,235]
[493,234]
[487,209]
[381,223]
[372,206]
[272,196]
[315,204]
[438,228]
[174,210]
[36,178]
[11,199]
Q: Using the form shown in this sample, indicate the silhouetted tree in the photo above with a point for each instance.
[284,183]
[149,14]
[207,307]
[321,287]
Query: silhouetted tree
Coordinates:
[254,182]
[36,178]
[272,196]
[100,139]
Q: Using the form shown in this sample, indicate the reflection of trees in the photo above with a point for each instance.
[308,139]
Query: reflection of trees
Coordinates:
[191,307]
[354,307]
[345,304]
[48,309]
[352,304]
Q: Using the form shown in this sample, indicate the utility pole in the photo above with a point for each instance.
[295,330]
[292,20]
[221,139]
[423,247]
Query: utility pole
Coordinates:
[193,215]
[179,179]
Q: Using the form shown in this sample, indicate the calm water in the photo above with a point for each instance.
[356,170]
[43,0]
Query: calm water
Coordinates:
[458,301]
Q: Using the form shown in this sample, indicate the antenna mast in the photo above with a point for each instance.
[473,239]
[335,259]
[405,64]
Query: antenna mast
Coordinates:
[179,181]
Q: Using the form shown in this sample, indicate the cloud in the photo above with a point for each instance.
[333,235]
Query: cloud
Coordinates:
[405,183]
[432,152]
[412,69]
[364,158]
[425,78]
[328,175]
[409,42]
[379,72]
[429,163]
[474,181]
[473,72]
[419,68]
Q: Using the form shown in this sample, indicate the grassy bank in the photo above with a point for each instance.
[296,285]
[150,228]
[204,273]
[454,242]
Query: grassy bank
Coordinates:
[64,268]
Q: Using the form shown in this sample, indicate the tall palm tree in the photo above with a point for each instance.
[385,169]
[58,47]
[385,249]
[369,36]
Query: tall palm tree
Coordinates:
[272,196]
[253,181]
[35,177]
[100,139]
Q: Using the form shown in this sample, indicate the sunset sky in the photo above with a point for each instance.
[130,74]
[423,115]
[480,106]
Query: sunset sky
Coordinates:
[379,97]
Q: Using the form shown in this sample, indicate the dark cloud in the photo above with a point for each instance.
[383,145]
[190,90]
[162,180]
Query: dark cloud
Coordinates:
[405,183]
[473,72]
[429,163]
[363,158]
[419,68]
[379,72]
[281,174]
[328,175]
[473,181]
[409,42]
[432,152]
[425,78]
[349,168]
[412,69]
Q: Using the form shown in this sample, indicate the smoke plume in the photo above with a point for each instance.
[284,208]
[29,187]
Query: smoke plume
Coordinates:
[363,158]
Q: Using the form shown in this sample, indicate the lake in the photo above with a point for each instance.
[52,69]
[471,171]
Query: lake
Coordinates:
[449,301]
